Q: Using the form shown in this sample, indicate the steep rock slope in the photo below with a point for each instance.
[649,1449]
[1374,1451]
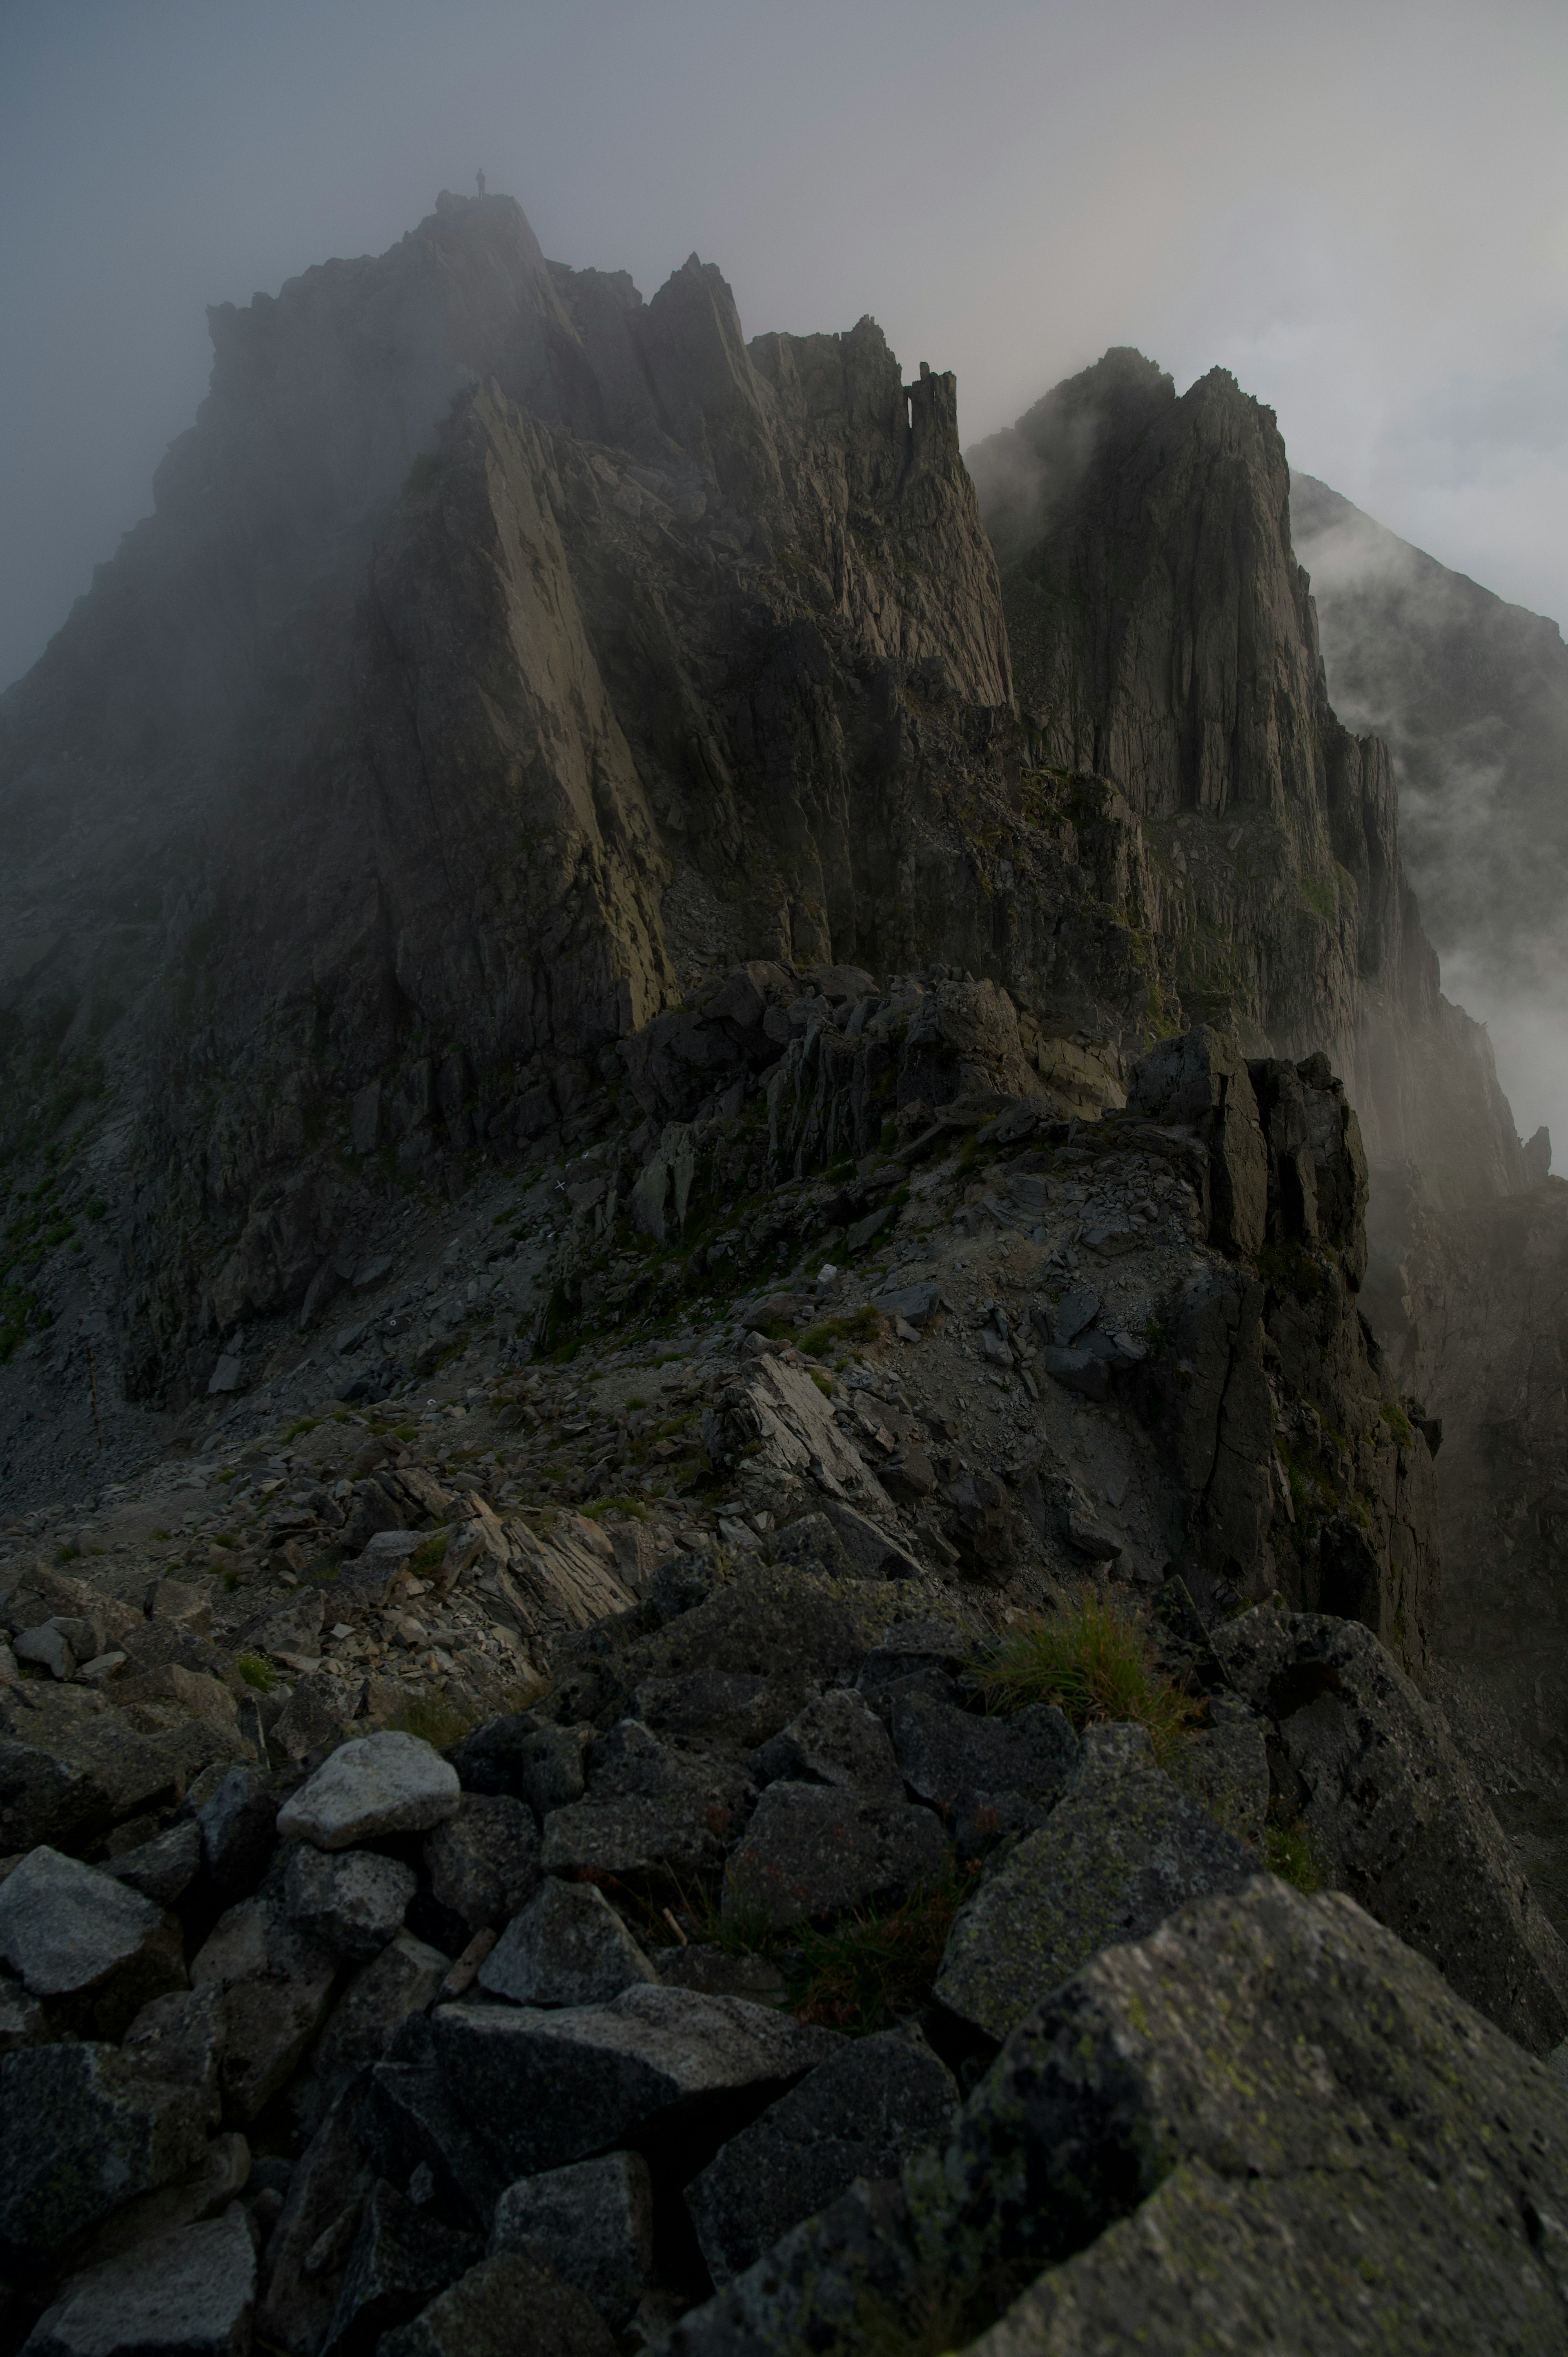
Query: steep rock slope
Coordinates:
[1163,640]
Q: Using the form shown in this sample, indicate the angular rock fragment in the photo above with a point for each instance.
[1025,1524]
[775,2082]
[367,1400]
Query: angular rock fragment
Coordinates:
[988,1776]
[22,2018]
[836,1739]
[85,2130]
[594,2221]
[179,2038]
[411,2119]
[239,1831]
[811,1851]
[404,1979]
[861,2114]
[744,1710]
[276,1987]
[526,1757]
[191,2291]
[164,1869]
[511,2302]
[351,1900]
[314,1714]
[1225,1767]
[309,2245]
[567,1947]
[547,2088]
[399,2258]
[375,1785]
[1121,1850]
[483,1863]
[65,1928]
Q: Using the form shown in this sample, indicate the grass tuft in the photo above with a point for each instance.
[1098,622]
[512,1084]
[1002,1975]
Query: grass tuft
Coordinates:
[1287,1847]
[257,1672]
[1095,1659]
[429,1554]
[435,1719]
[301,1425]
[877,1963]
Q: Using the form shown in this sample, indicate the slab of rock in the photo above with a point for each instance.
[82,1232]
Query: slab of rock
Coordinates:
[648,1812]
[1395,1816]
[988,1776]
[1121,1850]
[547,2088]
[85,2130]
[351,1900]
[308,2247]
[316,1713]
[373,1786]
[872,1551]
[276,1987]
[861,2114]
[404,1979]
[567,1947]
[1349,2158]
[47,1645]
[399,2258]
[410,2118]
[526,1757]
[743,1710]
[773,1417]
[164,1869]
[190,2291]
[483,1863]
[594,2221]
[510,2303]
[1225,1767]
[67,1784]
[204,2192]
[65,1928]
[811,1851]
[179,2038]
[836,1739]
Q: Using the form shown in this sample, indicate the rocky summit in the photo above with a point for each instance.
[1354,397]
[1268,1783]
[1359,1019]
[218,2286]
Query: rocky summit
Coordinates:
[777,1399]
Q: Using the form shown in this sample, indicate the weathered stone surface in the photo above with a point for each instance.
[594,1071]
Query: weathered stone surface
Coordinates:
[179,2038]
[412,2118]
[316,1713]
[164,1869]
[1225,1767]
[1395,1817]
[511,2302]
[1268,2113]
[1121,1850]
[350,1900]
[22,2018]
[484,1862]
[861,2114]
[593,2220]
[277,1985]
[650,1808]
[190,2291]
[84,2131]
[204,2192]
[836,1739]
[988,1776]
[374,1785]
[404,1979]
[527,1758]
[308,2247]
[567,1947]
[239,1831]
[744,1710]
[65,1928]
[548,2088]
[399,2258]
[811,1850]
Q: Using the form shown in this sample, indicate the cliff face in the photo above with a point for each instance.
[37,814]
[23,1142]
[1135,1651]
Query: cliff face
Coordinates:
[1163,640]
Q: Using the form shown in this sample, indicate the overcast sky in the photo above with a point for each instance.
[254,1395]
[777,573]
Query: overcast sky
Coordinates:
[1362,210]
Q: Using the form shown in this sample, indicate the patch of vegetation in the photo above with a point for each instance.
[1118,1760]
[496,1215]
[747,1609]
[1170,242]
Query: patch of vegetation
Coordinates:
[435,1720]
[861,1326]
[889,1136]
[1399,1424]
[618,1505]
[257,1672]
[635,1402]
[1287,1847]
[1292,1270]
[1096,1660]
[67,1553]
[303,1424]
[877,1963]
[163,1537]
[824,1383]
[429,1554]
[405,1432]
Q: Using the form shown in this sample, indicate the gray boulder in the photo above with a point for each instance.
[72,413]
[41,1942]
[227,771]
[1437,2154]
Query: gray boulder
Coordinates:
[811,1851]
[1121,1850]
[860,2114]
[411,2118]
[526,1758]
[72,1934]
[512,2303]
[1269,2125]
[179,2038]
[239,1831]
[314,1715]
[404,1979]
[594,2221]
[650,1808]
[400,2256]
[1395,1815]
[484,1862]
[373,1786]
[836,1739]
[164,1869]
[84,2130]
[1225,1767]
[548,2088]
[308,2247]
[22,2018]
[191,2292]
[567,1947]
[351,1900]
[988,1776]
[277,1985]
[716,1703]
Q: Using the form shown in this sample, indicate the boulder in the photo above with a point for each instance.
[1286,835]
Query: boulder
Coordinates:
[1395,1817]
[860,2114]
[594,2221]
[404,1979]
[400,2256]
[309,2245]
[164,1869]
[179,2038]
[526,1758]
[373,1786]
[836,1739]
[204,2192]
[191,2291]
[548,2088]
[239,1831]
[512,2302]
[316,1714]
[277,1985]
[66,1928]
[23,2021]
[483,1863]
[717,1703]
[350,1900]
[84,2130]
[567,1947]
[988,1776]
[1120,1851]
[1225,1767]
[811,1851]
[411,2119]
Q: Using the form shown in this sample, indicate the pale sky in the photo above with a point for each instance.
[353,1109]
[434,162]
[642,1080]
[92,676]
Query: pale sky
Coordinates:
[1362,210]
